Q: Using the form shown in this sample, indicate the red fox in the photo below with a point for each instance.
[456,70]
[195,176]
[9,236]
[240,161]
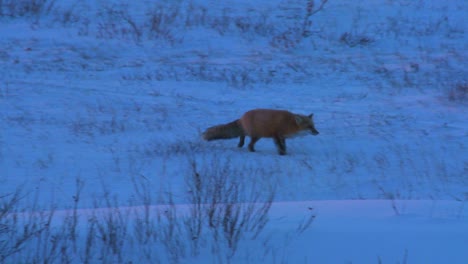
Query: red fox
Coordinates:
[258,123]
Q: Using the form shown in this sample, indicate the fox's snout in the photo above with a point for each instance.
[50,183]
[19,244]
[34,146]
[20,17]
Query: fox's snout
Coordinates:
[312,130]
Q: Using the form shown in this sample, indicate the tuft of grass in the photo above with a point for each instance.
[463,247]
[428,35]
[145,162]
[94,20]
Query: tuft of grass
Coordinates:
[301,29]
[353,40]
[24,8]
[459,92]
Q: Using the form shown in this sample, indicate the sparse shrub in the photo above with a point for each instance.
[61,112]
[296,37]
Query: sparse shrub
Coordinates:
[225,209]
[293,35]
[92,128]
[20,8]
[353,40]
[459,93]
[288,39]
[226,206]
[311,10]
[161,21]
[19,229]
[116,22]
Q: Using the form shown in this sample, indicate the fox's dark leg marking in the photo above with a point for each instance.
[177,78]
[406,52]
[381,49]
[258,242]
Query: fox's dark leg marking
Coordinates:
[253,140]
[280,144]
[241,141]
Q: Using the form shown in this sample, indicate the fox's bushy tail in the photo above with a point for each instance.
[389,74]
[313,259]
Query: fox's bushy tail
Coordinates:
[225,131]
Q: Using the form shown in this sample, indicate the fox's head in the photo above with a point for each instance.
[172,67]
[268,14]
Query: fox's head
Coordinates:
[306,123]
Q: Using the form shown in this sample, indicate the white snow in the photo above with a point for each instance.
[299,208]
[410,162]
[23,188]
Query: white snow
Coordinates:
[113,96]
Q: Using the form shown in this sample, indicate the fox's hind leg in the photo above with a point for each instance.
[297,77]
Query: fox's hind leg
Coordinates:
[253,140]
[241,141]
[280,143]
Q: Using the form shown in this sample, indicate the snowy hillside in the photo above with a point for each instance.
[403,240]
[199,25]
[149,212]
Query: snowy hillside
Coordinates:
[102,106]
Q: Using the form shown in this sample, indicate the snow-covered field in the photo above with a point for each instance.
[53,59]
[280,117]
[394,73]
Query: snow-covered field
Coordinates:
[102,106]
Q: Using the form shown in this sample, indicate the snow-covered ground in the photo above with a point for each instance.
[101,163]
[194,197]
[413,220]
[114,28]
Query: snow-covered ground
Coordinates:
[102,106]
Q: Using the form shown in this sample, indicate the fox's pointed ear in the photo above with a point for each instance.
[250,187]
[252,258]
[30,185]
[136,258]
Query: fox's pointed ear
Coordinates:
[311,115]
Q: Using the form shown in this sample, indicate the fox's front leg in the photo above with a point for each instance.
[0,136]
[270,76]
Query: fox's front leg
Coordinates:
[280,143]
[241,142]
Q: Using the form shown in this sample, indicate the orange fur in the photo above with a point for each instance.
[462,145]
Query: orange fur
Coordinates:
[258,123]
